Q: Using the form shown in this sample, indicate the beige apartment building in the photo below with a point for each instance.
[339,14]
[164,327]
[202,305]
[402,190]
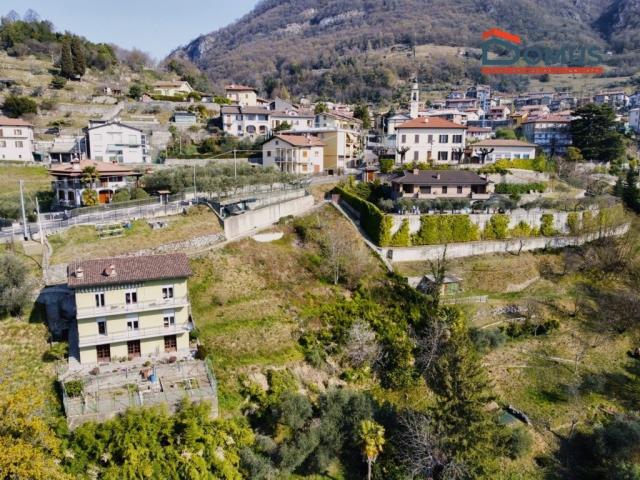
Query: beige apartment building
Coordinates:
[130,307]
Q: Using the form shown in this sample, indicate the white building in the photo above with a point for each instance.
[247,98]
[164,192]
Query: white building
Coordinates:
[301,154]
[16,139]
[242,95]
[634,119]
[430,139]
[496,149]
[395,120]
[178,88]
[116,142]
[245,122]
[295,119]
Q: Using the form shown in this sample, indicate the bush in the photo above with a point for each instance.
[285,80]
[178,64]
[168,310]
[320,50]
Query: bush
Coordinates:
[57,351]
[74,388]
[376,224]
[520,328]
[486,340]
[546,225]
[402,238]
[573,223]
[15,284]
[520,188]
[168,98]
[121,195]
[438,229]
[15,106]
[523,229]
[497,228]
[203,352]
[58,82]
[519,443]
[386,164]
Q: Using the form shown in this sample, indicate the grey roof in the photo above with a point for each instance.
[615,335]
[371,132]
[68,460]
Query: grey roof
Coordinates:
[440,177]
[102,125]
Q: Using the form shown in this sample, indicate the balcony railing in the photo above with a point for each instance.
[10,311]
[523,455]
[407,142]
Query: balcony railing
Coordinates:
[118,309]
[133,334]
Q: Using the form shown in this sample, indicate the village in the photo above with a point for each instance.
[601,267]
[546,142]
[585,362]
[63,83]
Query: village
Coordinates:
[165,246]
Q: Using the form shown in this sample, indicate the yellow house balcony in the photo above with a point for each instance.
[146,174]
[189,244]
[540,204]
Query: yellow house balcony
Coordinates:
[119,309]
[133,334]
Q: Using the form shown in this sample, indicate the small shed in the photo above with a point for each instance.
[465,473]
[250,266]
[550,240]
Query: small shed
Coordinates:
[184,118]
[451,285]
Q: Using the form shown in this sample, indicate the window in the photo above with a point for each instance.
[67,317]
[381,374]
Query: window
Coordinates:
[444,139]
[169,319]
[416,138]
[429,138]
[425,189]
[525,156]
[167,292]
[131,297]
[102,326]
[133,348]
[133,322]
[99,299]
[443,155]
[457,139]
[445,189]
[268,153]
[17,131]
[415,156]
[19,144]
[3,143]
[103,353]
[170,343]
[404,139]
[1,134]
[459,189]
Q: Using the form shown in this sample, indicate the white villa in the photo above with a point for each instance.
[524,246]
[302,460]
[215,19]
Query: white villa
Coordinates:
[497,149]
[16,139]
[301,154]
[430,139]
[242,95]
[117,142]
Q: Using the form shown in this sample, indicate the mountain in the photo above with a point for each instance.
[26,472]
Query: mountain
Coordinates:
[358,49]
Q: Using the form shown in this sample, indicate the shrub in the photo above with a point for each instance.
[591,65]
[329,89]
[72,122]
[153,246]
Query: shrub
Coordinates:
[121,195]
[519,443]
[58,82]
[56,352]
[438,229]
[203,352]
[523,229]
[15,284]
[402,238]
[386,164]
[74,388]
[194,334]
[546,225]
[16,106]
[497,228]
[486,340]
[520,188]
[573,223]
[520,328]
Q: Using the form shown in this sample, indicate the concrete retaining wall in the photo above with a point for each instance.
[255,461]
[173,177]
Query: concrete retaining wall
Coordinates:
[469,249]
[532,217]
[252,220]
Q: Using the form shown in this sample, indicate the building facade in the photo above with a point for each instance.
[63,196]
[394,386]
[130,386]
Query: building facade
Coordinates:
[551,133]
[245,122]
[117,142]
[300,154]
[489,151]
[433,184]
[70,181]
[172,88]
[430,139]
[130,307]
[241,95]
[16,140]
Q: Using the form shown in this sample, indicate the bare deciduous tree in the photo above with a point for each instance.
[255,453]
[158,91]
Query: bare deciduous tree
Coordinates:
[362,348]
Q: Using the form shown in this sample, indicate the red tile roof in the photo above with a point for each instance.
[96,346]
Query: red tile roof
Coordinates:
[300,140]
[128,270]
[234,86]
[13,122]
[103,168]
[430,122]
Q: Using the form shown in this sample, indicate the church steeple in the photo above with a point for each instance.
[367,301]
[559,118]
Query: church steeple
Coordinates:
[415,99]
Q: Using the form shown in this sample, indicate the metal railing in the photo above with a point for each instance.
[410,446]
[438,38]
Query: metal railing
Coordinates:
[88,312]
[133,334]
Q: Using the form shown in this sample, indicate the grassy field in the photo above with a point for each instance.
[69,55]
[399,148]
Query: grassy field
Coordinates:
[247,299]
[35,179]
[83,242]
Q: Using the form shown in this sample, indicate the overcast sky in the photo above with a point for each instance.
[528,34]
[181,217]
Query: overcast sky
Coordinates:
[156,26]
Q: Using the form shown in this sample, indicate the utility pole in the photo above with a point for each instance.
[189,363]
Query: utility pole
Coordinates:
[235,172]
[25,232]
[195,188]
[40,229]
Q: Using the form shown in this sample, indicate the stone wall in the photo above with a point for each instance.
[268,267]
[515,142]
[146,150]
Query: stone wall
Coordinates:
[469,249]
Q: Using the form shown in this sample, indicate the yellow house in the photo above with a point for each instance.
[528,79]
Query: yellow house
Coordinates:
[130,307]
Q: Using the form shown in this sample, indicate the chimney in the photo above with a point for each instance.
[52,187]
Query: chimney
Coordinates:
[437,176]
[416,171]
[79,272]
[110,271]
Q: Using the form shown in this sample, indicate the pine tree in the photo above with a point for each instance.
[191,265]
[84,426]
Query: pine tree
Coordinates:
[631,192]
[79,60]
[66,60]
[463,392]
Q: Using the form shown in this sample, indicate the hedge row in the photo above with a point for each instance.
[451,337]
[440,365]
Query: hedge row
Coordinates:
[376,224]
[520,188]
[438,229]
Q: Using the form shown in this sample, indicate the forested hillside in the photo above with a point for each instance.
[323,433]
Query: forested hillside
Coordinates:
[358,49]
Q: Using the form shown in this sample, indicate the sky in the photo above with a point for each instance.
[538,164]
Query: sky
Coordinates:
[156,27]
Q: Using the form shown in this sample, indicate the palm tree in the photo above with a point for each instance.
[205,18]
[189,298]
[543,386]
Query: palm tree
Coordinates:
[89,177]
[372,437]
